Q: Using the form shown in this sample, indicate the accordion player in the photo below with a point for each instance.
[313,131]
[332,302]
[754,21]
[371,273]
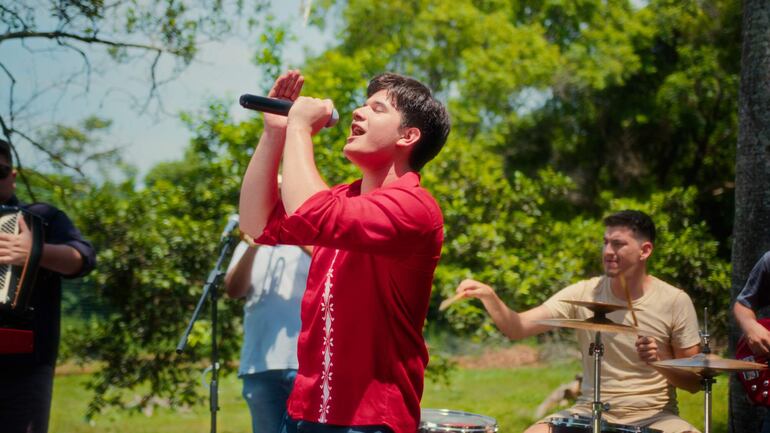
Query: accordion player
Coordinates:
[17,283]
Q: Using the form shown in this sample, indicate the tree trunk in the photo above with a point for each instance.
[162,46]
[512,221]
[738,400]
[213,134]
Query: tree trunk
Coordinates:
[752,182]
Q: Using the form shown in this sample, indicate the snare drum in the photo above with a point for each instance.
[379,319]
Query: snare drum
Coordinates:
[454,421]
[580,424]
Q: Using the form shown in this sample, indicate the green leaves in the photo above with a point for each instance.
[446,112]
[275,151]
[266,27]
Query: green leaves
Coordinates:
[156,247]
[563,111]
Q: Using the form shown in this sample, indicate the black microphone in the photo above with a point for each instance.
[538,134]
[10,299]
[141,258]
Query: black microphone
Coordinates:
[277,106]
[232,223]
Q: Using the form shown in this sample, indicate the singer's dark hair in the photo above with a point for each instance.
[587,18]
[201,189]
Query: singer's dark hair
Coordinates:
[639,222]
[419,109]
[5,151]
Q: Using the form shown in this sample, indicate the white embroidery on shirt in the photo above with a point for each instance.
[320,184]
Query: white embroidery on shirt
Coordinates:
[327,308]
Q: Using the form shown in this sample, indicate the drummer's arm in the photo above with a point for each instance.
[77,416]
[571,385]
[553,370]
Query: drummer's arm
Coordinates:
[514,325]
[682,378]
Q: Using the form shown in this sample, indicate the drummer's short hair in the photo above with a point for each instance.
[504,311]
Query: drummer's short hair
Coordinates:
[636,220]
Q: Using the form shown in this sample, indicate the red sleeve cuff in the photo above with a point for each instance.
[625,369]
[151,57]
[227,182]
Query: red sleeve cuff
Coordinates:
[297,228]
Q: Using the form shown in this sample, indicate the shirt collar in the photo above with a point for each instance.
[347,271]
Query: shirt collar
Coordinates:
[409,179]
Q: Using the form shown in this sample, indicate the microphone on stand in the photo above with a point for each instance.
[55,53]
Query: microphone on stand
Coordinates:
[280,107]
[232,223]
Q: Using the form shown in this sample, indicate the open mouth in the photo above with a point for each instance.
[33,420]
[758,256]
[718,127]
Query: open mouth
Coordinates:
[356,130]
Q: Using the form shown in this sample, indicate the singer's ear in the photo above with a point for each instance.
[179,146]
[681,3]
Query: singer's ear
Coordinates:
[409,136]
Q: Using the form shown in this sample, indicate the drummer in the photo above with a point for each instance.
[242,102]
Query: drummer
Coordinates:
[638,393]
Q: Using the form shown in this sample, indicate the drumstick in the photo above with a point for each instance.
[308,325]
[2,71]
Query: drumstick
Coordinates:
[628,298]
[449,301]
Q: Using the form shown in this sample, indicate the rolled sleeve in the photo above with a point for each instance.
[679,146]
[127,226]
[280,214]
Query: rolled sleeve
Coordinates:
[88,256]
[756,292]
[61,231]
[286,230]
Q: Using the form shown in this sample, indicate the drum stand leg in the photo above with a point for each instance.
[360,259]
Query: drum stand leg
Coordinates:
[707,382]
[597,350]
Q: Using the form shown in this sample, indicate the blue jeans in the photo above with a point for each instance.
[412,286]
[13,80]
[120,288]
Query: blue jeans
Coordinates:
[294,426]
[266,394]
[766,423]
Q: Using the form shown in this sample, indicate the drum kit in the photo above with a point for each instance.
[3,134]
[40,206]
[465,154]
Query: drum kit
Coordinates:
[705,364]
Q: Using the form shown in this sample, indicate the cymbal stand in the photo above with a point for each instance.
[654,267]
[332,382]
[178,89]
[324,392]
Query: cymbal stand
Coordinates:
[596,349]
[707,380]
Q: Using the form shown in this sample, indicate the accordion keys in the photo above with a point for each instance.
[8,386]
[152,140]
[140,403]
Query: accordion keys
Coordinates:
[9,224]
[16,282]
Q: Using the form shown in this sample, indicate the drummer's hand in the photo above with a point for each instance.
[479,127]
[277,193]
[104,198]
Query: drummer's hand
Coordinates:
[475,289]
[14,248]
[758,338]
[647,348]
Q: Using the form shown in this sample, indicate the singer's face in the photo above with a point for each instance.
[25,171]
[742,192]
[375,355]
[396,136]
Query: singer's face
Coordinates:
[373,134]
[8,182]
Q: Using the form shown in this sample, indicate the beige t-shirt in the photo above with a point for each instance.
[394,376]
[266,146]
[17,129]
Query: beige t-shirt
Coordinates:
[631,387]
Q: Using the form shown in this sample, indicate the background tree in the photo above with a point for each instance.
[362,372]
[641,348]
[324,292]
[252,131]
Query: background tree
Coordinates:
[563,111]
[163,37]
[611,99]
[752,188]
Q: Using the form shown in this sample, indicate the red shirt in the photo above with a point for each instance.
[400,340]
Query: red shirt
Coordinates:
[361,353]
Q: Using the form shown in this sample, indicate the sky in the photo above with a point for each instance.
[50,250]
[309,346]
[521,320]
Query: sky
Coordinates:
[221,70]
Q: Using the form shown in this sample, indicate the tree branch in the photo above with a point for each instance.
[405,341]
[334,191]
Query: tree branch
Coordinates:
[53,156]
[153,80]
[7,132]
[85,61]
[87,39]
[10,99]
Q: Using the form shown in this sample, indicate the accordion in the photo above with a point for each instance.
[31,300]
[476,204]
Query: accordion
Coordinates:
[17,283]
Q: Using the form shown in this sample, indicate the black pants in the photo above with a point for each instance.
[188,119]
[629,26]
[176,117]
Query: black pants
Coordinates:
[25,399]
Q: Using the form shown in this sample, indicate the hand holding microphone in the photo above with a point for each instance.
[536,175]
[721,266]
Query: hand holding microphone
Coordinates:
[280,107]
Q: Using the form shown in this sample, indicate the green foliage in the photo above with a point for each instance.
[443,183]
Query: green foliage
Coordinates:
[155,249]
[563,112]
[440,368]
[557,106]
[629,99]
[504,232]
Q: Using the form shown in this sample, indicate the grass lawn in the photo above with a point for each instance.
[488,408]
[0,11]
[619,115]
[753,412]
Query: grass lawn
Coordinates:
[509,395]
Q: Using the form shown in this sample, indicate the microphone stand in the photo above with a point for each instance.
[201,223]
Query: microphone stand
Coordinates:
[210,290]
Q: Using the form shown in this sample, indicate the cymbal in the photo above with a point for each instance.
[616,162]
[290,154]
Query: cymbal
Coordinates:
[598,307]
[597,324]
[709,364]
